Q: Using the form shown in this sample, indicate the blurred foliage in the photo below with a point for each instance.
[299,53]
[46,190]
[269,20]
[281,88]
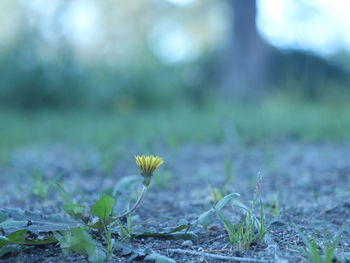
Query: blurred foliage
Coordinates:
[216,122]
[121,74]
[29,81]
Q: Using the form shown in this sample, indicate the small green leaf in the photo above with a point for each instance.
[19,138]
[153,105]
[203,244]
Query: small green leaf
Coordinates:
[3,241]
[97,255]
[40,188]
[103,207]
[18,219]
[80,241]
[74,210]
[225,200]
[205,218]
[175,233]
[19,237]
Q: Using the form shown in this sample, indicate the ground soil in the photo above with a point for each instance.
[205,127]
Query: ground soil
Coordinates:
[310,180]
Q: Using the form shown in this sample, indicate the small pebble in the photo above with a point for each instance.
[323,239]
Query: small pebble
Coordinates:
[187,243]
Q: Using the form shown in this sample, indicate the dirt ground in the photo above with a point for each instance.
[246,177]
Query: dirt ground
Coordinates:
[310,181]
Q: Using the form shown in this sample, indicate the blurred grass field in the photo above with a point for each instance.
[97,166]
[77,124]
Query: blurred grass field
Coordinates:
[278,117]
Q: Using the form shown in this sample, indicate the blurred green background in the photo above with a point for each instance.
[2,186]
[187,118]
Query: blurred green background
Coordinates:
[173,72]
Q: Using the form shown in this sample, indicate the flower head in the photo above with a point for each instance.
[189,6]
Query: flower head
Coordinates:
[148,164]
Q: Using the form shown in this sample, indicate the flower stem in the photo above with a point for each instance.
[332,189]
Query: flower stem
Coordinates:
[135,206]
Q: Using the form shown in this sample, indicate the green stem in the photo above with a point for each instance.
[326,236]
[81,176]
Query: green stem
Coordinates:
[135,206]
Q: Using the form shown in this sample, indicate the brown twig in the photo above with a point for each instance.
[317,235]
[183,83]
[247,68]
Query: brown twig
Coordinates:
[163,248]
[217,250]
[235,259]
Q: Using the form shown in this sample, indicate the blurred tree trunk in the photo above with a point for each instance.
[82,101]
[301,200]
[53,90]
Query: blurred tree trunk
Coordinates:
[245,54]
[250,64]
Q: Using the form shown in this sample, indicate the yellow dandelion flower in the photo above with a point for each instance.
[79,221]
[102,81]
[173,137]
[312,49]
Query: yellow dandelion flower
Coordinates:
[148,164]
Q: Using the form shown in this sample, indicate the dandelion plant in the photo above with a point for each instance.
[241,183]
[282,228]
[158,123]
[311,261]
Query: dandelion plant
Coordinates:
[147,166]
